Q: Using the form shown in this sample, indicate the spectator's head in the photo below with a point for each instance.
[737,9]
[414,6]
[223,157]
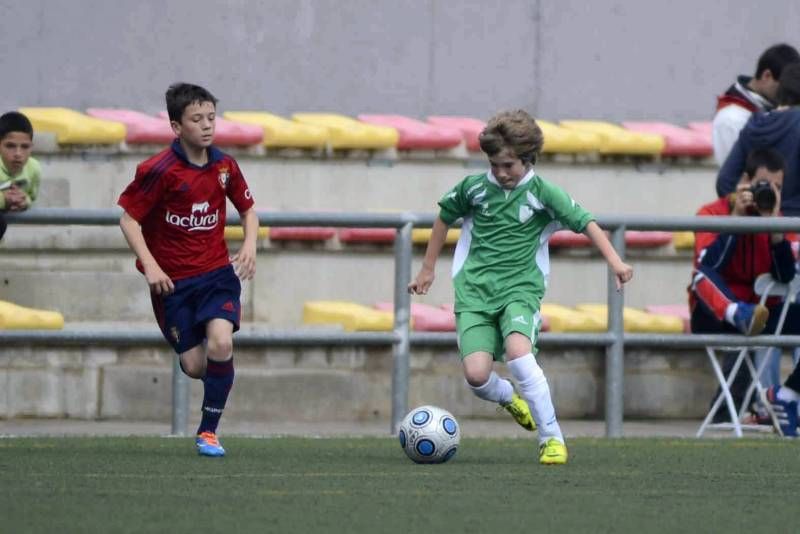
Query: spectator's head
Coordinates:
[789,87]
[512,141]
[16,141]
[763,172]
[192,113]
[770,67]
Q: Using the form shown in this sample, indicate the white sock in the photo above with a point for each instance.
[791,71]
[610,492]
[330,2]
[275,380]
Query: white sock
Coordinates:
[534,389]
[495,389]
[729,312]
[788,395]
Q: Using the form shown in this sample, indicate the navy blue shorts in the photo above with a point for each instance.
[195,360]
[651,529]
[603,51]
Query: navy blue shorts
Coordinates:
[182,316]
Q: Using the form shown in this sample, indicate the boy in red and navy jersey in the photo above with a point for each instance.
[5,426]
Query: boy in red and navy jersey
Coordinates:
[174,221]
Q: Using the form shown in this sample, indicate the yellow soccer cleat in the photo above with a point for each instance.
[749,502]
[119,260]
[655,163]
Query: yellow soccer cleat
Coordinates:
[519,410]
[552,452]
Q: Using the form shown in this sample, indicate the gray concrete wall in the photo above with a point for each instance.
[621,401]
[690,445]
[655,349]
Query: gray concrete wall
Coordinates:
[615,60]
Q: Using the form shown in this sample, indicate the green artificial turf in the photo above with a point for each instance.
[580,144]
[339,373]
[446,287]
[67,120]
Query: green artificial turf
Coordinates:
[368,485]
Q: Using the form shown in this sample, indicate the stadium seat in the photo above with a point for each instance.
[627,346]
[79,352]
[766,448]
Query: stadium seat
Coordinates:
[348,133]
[230,133]
[15,317]
[426,318]
[141,128]
[417,135]
[421,236]
[73,128]
[470,128]
[349,315]
[649,239]
[301,233]
[367,235]
[683,240]
[558,140]
[705,128]
[282,133]
[635,320]
[564,319]
[618,141]
[236,233]
[680,311]
[677,141]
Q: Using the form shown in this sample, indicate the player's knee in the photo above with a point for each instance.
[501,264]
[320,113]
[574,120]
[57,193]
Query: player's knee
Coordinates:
[193,369]
[476,377]
[220,347]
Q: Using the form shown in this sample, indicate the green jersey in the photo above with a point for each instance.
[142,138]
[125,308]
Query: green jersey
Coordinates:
[502,255]
[27,180]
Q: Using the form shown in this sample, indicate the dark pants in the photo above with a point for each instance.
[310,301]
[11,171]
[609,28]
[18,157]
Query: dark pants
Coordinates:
[3,225]
[703,321]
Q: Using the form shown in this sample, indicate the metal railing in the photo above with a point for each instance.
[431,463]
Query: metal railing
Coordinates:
[401,338]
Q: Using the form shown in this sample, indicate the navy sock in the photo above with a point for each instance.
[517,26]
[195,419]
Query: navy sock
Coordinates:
[217,384]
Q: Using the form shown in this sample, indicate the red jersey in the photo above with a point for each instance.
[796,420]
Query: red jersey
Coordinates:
[181,208]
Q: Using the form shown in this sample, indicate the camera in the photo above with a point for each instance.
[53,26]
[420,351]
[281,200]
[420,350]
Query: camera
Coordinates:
[763,195]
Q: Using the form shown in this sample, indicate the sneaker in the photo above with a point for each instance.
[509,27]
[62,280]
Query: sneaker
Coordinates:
[552,452]
[208,445]
[519,410]
[786,412]
[750,319]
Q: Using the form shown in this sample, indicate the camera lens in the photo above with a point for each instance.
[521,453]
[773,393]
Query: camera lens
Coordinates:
[763,195]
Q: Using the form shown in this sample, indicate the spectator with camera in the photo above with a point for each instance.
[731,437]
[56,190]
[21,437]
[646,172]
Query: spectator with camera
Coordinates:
[721,296]
[778,129]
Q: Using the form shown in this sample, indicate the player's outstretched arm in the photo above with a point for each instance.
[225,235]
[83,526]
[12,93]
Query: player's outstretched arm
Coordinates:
[623,271]
[157,279]
[424,279]
[245,259]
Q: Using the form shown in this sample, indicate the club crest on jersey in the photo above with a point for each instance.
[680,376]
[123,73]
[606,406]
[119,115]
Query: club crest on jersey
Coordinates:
[224,176]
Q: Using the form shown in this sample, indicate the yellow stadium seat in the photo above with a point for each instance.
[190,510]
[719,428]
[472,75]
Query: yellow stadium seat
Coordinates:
[421,236]
[683,240]
[15,317]
[636,320]
[349,133]
[74,128]
[283,133]
[349,315]
[236,233]
[558,140]
[564,319]
[617,140]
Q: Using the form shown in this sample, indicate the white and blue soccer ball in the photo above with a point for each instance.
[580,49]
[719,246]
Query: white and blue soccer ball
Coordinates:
[429,435]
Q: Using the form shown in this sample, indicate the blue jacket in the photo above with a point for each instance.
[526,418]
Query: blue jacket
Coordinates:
[774,129]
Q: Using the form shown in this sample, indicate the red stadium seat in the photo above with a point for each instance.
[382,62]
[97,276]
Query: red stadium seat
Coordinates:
[417,135]
[367,235]
[470,128]
[426,318]
[637,239]
[301,233]
[678,141]
[141,128]
[230,133]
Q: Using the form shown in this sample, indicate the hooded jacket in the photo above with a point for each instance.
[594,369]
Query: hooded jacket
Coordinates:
[779,130]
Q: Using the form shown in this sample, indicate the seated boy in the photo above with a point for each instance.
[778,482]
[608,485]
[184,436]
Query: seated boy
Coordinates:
[19,172]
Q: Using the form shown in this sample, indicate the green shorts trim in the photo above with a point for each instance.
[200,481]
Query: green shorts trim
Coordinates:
[485,331]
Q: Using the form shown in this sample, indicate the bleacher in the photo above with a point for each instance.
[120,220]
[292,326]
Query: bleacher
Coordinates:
[342,278]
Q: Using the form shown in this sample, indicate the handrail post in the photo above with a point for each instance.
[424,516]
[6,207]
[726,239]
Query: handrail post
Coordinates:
[615,352]
[180,400]
[401,357]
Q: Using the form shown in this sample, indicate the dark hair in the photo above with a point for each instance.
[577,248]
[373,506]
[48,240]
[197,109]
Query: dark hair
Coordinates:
[14,121]
[763,157]
[775,59]
[789,86]
[181,95]
[515,130]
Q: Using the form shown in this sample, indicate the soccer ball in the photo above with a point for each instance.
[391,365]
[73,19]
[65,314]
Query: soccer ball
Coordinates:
[429,435]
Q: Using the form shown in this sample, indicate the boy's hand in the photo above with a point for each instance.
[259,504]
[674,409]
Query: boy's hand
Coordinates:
[157,279]
[624,273]
[15,198]
[422,282]
[244,261]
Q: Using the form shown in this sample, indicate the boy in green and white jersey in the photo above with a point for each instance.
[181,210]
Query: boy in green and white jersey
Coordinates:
[501,267]
[19,172]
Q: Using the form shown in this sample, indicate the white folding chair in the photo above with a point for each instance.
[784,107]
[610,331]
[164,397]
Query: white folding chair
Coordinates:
[765,286]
